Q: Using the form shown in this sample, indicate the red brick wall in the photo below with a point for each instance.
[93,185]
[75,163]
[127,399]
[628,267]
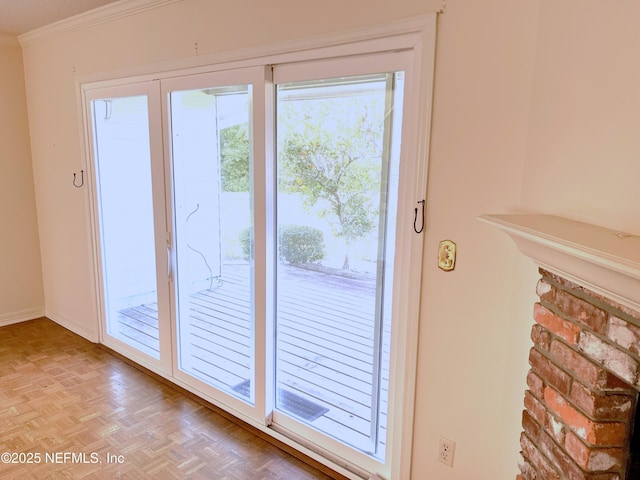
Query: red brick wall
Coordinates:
[583,385]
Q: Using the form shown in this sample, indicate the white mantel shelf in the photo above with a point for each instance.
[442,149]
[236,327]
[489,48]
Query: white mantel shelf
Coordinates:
[602,260]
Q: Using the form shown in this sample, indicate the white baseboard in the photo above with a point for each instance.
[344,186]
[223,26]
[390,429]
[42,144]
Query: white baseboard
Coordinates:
[73,325]
[22,316]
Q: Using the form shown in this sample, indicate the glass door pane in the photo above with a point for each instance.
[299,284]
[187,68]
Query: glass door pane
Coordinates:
[211,135]
[337,166]
[125,204]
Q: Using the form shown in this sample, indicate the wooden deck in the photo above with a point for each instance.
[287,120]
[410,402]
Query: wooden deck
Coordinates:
[324,367]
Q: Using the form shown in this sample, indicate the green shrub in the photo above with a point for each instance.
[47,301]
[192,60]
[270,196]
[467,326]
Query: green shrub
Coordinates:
[299,244]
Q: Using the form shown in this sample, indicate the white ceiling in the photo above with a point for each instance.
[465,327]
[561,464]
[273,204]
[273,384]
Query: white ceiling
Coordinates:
[21,16]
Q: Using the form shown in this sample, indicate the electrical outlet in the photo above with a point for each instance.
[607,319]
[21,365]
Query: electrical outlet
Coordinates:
[446,450]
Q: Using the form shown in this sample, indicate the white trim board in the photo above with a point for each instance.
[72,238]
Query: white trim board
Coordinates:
[605,261]
[401,34]
[71,324]
[8,41]
[21,316]
[107,13]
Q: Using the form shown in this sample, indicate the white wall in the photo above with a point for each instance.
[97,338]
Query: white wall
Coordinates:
[536,108]
[21,292]
[583,156]
[535,103]
[475,326]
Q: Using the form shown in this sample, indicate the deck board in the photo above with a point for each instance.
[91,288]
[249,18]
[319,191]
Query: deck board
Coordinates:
[324,336]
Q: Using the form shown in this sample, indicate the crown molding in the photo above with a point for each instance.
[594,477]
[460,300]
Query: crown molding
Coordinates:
[9,40]
[602,260]
[106,13]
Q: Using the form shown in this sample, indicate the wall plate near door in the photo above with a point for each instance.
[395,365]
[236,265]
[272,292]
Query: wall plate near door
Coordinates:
[446,450]
[447,255]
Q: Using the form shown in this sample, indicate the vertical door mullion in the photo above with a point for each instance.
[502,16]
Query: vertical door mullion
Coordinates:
[264,224]
[161,226]
[381,265]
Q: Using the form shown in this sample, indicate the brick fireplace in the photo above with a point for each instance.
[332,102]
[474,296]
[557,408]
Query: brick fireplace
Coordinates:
[580,405]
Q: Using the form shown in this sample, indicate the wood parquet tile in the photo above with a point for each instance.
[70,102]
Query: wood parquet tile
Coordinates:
[78,412]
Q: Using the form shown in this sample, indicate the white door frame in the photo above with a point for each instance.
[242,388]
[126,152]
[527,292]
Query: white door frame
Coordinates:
[416,35]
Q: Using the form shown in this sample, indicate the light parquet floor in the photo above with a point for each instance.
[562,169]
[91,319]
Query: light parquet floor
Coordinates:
[60,394]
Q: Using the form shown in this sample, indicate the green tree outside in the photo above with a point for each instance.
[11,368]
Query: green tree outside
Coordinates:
[234,158]
[332,152]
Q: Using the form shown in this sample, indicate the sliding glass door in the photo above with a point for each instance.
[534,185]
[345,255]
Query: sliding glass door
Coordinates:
[129,194]
[338,146]
[174,204]
[248,240]
[210,151]
[210,132]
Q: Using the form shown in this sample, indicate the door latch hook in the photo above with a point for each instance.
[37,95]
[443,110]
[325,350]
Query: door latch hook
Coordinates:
[81,181]
[415,218]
